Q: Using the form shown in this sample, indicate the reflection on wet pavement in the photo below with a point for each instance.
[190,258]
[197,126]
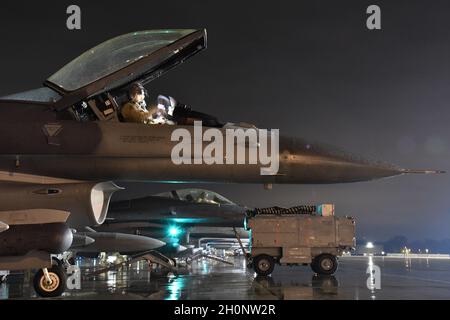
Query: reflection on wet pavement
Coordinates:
[356,278]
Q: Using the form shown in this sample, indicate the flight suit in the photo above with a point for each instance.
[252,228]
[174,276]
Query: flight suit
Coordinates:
[133,112]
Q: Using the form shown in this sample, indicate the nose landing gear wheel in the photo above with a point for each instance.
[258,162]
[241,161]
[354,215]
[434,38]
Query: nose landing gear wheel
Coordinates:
[54,286]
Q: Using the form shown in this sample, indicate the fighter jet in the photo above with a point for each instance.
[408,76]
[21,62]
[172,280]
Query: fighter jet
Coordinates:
[183,207]
[175,215]
[71,129]
[62,143]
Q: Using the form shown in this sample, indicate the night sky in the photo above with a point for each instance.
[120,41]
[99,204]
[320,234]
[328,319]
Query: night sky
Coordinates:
[310,68]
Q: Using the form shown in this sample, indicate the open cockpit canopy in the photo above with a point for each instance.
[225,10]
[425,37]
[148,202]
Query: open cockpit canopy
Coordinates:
[138,56]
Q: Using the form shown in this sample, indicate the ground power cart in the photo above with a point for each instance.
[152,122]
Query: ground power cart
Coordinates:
[300,235]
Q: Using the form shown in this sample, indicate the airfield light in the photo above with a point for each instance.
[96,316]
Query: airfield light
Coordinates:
[369,245]
[174,231]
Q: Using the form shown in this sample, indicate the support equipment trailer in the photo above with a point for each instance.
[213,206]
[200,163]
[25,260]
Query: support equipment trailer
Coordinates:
[299,236]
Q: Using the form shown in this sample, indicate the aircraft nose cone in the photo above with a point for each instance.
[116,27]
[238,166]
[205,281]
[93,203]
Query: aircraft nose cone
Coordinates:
[143,243]
[3,226]
[318,163]
[88,241]
[156,243]
[81,240]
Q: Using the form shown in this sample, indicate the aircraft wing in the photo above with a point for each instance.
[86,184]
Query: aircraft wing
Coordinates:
[36,200]
[14,177]
[31,216]
[35,216]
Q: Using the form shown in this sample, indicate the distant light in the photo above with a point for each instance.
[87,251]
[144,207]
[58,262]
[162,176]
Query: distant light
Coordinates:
[174,231]
[426,250]
[383,253]
[369,245]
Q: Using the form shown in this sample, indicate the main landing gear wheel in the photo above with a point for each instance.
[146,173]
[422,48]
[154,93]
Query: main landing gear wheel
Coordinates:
[263,265]
[54,285]
[325,264]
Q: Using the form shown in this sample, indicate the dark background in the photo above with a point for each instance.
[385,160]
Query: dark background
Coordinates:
[310,68]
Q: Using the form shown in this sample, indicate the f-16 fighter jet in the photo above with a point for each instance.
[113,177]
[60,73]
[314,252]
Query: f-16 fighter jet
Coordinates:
[62,144]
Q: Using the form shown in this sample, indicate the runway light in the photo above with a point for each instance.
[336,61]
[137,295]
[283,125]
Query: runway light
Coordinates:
[369,245]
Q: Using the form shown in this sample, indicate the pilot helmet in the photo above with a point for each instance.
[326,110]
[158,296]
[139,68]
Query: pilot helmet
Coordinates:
[137,88]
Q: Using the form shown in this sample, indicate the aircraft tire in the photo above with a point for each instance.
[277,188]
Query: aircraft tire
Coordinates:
[56,287]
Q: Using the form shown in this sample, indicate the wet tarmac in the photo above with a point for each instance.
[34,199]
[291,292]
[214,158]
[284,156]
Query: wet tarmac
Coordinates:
[205,279]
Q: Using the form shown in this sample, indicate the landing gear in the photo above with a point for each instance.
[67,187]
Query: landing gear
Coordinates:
[325,264]
[71,261]
[56,261]
[50,282]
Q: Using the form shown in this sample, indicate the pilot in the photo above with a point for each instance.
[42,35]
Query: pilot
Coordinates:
[203,198]
[135,110]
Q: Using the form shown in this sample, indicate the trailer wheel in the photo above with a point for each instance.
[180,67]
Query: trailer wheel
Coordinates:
[324,264]
[263,265]
[57,283]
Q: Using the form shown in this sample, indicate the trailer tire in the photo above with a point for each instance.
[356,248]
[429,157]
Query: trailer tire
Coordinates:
[325,264]
[263,264]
